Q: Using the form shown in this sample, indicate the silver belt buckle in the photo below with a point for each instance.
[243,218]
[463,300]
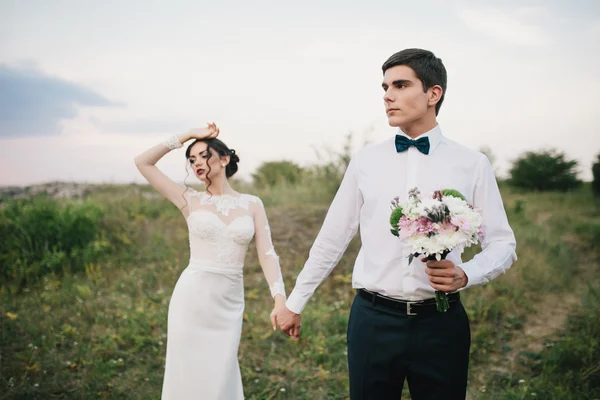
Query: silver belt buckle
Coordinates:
[408,309]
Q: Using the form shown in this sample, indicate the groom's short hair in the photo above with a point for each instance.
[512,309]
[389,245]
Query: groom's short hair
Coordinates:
[428,68]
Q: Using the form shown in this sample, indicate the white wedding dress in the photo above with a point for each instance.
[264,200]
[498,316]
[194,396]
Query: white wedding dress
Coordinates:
[207,305]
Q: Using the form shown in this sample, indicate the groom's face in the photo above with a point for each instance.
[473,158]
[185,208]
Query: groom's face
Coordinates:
[404,99]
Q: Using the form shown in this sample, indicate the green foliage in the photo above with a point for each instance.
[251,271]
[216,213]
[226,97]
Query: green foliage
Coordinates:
[590,232]
[519,207]
[544,170]
[453,193]
[40,237]
[394,219]
[273,173]
[596,175]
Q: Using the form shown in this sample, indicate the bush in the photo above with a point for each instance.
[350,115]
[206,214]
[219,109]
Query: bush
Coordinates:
[544,170]
[596,175]
[39,237]
[273,173]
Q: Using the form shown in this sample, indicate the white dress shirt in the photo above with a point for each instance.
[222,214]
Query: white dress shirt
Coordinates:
[377,174]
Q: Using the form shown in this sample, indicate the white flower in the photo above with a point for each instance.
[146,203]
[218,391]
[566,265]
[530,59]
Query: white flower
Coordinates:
[455,205]
[424,245]
[430,203]
[420,209]
[412,209]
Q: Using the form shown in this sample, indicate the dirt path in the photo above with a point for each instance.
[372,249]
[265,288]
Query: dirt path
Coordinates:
[541,326]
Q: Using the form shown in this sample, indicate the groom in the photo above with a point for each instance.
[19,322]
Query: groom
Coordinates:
[394,331]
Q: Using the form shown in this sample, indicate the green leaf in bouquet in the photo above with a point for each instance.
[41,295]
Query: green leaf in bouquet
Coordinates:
[395,232]
[395,217]
[453,193]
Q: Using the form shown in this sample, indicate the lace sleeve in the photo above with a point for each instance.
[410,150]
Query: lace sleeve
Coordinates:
[268,258]
[146,164]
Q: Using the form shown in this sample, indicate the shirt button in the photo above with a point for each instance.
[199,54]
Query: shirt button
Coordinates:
[407,274]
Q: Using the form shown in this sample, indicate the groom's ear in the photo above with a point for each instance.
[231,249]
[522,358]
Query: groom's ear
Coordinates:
[435,94]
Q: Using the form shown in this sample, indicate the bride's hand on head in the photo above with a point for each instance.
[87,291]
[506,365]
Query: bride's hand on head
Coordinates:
[211,131]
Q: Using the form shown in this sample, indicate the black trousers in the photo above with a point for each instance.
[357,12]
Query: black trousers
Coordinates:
[386,347]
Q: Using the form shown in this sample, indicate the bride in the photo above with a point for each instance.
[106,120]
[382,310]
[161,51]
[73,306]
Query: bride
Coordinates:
[206,308]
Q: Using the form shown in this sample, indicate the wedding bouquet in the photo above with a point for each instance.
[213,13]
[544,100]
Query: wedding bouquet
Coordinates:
[435,225]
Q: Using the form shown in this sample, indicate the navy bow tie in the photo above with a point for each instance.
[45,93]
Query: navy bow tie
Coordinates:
[403,143]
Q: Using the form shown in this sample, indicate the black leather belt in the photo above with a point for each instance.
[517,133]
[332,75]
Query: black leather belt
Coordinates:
[424,307]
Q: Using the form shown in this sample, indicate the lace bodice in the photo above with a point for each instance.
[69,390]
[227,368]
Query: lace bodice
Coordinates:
[221,228]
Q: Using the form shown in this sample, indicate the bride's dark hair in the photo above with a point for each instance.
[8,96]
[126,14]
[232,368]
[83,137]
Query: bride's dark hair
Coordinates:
[222,150]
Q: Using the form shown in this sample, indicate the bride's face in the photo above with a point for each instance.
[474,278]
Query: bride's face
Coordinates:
[206,162]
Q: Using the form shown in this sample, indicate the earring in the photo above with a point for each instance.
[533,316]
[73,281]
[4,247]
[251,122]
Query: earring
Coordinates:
[223,165]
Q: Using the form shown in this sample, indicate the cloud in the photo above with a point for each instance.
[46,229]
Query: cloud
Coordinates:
[33,104]
[511,28]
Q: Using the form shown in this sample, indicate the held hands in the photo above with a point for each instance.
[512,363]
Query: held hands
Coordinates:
[211,131]
[279,305]
[444,275]
[289,322]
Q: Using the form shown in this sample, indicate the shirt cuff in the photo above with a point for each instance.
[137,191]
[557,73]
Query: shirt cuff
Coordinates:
[474,275]
[296,302]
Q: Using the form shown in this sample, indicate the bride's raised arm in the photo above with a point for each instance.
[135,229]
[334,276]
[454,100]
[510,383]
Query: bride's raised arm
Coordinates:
[146,163]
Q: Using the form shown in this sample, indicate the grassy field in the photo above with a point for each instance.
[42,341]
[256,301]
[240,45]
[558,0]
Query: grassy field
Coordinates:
[95,328]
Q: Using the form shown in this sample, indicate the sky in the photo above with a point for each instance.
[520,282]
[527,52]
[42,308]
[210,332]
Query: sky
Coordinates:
[85,86]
